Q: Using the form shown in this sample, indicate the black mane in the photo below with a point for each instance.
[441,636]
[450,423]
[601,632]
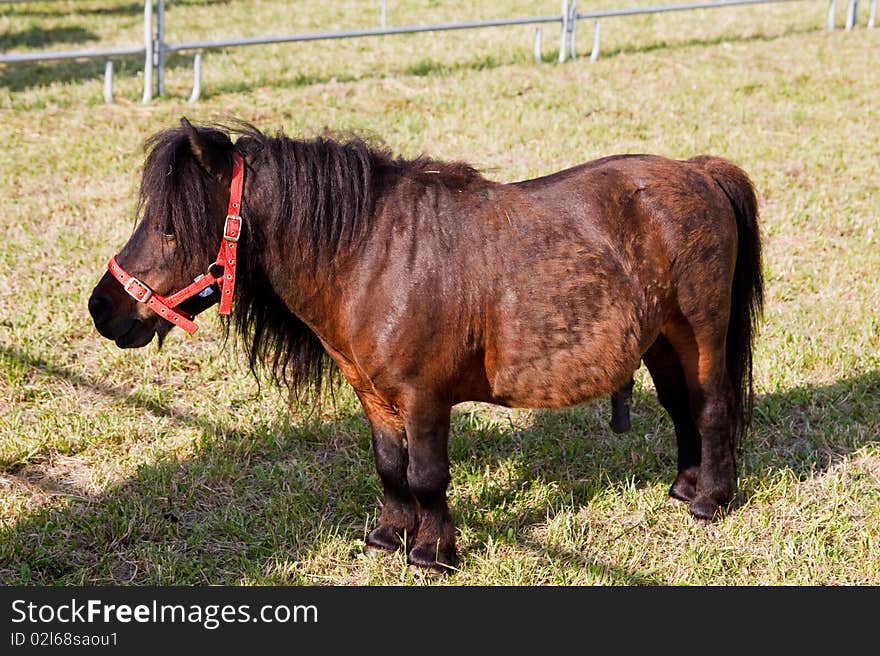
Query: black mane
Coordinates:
[322,196]
[324,190]
[177,190]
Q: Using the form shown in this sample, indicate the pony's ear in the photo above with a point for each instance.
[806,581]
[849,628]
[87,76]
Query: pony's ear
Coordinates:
[208,153]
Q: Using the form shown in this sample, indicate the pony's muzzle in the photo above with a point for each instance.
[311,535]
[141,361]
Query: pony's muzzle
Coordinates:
[112,312]
[100,307]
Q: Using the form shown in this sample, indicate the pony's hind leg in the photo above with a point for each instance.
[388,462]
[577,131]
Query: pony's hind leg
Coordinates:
[711,399]
[672,391]
[398,519]
[621,400]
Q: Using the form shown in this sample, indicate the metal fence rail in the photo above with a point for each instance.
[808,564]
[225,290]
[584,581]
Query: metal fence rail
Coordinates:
[567,19]
[200,46]
[852,11]
[155,48]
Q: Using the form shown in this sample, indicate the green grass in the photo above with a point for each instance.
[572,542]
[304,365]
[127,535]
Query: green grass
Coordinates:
[173,467]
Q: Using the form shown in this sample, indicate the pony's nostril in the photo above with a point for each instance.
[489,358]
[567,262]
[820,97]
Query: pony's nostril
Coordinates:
[99,307]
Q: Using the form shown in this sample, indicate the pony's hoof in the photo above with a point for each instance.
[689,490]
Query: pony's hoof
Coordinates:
[383,538]
[432,560]
[704,508]
[620,425]
[683,490]
[685,486]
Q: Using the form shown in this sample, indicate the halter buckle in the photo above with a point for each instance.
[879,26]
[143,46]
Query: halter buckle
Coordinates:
[147,292]
[232,227]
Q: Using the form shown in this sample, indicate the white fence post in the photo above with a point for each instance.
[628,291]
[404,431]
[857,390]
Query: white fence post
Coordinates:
[597,35]
[148,47]
[197,78]
[563,52]
[852,12]
[159,48]
[108,81]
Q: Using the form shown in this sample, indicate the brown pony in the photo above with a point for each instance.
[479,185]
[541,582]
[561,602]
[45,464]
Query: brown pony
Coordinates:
[427,285]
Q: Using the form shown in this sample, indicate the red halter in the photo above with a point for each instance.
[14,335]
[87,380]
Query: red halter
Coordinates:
[226,258]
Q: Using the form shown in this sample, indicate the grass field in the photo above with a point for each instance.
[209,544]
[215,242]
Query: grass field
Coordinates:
[173,467]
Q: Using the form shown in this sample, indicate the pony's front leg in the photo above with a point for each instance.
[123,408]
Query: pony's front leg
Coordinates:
[398,520]
[427,474]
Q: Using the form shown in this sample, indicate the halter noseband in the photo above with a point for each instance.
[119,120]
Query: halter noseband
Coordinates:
[226,259]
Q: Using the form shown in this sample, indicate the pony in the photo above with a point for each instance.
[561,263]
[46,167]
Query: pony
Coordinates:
[425,284]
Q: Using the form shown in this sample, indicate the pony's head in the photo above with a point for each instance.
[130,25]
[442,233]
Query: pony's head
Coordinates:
[314,197]
[182,211]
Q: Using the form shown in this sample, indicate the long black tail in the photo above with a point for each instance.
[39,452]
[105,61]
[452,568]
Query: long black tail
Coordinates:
[747,300]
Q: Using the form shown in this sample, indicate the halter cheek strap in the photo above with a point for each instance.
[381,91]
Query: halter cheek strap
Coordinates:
[227,259]
[228,255]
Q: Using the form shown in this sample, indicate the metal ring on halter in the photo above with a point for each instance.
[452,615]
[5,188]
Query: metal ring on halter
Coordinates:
[140,299]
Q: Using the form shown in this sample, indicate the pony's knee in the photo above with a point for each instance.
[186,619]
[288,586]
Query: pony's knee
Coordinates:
[427,478]
[391,461]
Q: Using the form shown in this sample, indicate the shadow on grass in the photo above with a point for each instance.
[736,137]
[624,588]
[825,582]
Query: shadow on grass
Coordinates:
[697,42]
[803,431]
[21,76]
[254,505]
[52,9]
[36,37]
[218,516]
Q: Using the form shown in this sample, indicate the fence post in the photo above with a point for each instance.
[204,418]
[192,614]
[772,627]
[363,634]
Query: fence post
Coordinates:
[597,33]
[872,16]
[108,81]
[159,51]
[564,33]
[852,11]
[148,49]
[197,78]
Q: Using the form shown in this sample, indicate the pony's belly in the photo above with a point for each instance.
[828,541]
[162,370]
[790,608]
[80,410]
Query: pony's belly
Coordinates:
[583,337]
[557,378]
